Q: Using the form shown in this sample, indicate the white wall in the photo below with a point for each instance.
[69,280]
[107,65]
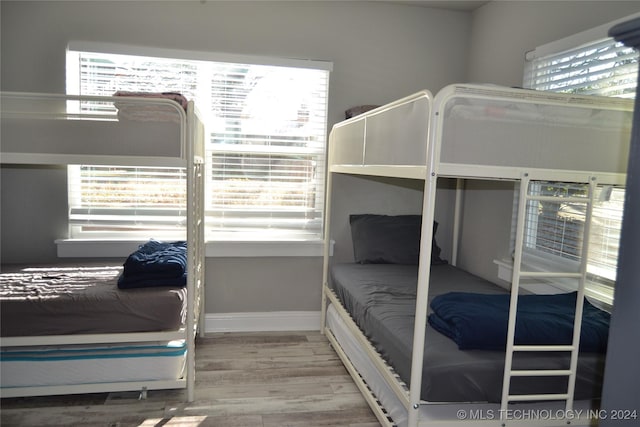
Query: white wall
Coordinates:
[380,52]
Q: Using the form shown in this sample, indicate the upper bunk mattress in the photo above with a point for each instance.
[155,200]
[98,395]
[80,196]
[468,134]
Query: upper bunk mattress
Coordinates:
[381,300]
[65,300]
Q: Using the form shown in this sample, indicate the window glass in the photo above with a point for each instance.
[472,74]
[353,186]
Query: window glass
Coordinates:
[265,147]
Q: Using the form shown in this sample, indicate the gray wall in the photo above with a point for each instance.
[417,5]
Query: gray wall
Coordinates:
[380,52]
[501,33]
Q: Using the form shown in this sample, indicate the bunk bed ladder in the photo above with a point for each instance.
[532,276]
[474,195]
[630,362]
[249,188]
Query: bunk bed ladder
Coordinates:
[518,274]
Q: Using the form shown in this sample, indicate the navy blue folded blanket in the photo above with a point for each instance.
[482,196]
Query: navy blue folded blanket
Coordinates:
[155,264]
[479,321]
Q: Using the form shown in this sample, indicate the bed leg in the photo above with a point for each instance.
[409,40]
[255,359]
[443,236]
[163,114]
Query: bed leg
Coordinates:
[143,394]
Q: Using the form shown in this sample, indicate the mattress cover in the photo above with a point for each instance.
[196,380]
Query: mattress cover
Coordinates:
[81,364]
[381,300]
[62,300]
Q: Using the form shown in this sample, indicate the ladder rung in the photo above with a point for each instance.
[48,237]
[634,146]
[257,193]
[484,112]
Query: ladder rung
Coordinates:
[557,199]
[527,397]
[550,274]
[541,373]
[542,348]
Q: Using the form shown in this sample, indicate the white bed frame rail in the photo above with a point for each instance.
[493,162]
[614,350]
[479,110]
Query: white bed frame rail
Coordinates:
[51,129]
[479,132]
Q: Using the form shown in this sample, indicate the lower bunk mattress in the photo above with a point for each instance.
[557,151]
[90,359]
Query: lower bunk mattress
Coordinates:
[380,298]
[65,299]
[91,364]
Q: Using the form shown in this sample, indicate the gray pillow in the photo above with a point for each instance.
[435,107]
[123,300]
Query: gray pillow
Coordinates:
[389,239]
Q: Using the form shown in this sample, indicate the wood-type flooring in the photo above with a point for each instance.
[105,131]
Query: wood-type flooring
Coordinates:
[265,379]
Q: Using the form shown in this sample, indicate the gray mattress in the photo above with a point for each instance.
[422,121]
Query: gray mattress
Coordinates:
[64,300]
[381,300]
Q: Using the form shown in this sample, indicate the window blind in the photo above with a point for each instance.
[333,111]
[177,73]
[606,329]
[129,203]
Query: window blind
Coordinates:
[603,67]
[267,149]
[555,228]
[114,201]
[266,143]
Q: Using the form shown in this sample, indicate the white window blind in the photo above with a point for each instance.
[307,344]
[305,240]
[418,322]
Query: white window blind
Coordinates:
[604,67]
[115,201]
[267,149]
[266,143]
[554,230]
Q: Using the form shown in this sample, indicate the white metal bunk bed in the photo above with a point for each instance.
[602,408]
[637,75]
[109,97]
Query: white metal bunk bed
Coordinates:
[474,132]
[58,130]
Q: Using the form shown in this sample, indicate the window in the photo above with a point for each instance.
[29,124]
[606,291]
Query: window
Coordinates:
[604,68]
[553,230]
[266,142]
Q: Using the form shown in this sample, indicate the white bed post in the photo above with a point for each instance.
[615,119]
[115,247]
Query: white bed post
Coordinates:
[424,271]
[457,220]
[192,235]
[194,151]
[422,293]
[327,243]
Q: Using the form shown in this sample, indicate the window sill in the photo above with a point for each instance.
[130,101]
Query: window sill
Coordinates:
[599,294]
[107,248]
[229,248]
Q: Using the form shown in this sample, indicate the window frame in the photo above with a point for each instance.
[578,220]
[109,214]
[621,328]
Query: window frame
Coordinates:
[255,244]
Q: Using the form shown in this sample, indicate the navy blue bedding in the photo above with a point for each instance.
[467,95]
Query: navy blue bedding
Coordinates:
[479,321]
[155,264]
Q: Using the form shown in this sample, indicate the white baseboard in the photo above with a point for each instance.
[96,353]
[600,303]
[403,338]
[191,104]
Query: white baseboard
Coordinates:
[262,322]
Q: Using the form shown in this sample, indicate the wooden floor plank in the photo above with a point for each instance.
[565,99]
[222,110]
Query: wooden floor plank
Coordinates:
[271,379]
[320,418]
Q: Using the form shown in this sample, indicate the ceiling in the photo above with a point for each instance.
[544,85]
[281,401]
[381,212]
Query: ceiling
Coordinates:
[464,5]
